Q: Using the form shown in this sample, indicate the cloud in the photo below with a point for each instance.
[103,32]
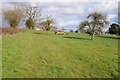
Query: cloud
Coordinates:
[69,14]
[111,17]
[107,6]
[59,0]
[6,6]
[68,24]
[76,10]
[52,8]
[64,24]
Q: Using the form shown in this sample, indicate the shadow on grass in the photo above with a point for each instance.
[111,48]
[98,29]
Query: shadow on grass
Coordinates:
[76,38]
[109,37]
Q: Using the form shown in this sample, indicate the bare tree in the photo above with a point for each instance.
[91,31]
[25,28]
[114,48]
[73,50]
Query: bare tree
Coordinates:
[33,12]
[13,16]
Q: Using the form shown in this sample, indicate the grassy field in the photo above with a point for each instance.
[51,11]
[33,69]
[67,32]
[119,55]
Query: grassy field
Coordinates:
[36,55]
[0,57]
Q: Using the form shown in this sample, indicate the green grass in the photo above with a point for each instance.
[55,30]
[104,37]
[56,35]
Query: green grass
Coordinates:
[37,55]
[0,57]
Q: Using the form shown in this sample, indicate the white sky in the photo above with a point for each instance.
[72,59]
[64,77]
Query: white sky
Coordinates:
[69,13]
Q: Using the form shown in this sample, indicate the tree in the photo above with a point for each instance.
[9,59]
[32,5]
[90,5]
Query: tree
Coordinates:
[32,13]
[71,30]
[13,16]
[94,24]
[76,31]
[83,25]
[54,28]
[63,29]
[30,23]
[114,29]
[47,24]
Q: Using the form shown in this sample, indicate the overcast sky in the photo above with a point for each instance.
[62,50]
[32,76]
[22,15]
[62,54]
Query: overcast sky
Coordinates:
[70,13]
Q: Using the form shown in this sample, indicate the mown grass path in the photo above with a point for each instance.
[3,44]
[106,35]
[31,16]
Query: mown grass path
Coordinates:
[37,55]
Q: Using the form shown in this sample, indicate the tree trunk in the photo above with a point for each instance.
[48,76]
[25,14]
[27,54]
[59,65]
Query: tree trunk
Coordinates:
[92,36]
[32,27]
[93,33]
[46,32]
[29,28]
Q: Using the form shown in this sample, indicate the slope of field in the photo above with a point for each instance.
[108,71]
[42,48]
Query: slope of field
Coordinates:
[0,57]
[37,55]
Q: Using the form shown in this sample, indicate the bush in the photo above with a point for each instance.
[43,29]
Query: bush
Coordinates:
[71,30]
[13,16]
[30,23]
[11,31]
[114,29]
[0,31]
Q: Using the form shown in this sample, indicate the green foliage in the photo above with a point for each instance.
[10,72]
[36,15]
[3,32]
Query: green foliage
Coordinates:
[53,28]
[47,24]
[114,29]
[95,23]
[35,55]
[30,23]
[83,25]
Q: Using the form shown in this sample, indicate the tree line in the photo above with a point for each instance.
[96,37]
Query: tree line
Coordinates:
[94,24]
[31,15]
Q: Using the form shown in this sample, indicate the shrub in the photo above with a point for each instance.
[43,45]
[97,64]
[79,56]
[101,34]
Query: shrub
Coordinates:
[13,16]
[11,31]
[30,23]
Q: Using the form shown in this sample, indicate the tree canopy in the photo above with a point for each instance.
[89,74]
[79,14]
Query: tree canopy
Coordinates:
[114,29]
[47,24]
[30,23]
[13,16]
[94,24]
